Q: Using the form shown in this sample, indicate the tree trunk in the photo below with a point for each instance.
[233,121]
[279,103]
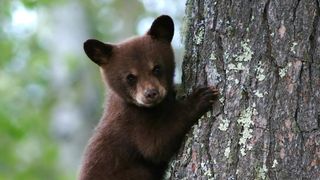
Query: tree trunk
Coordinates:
[264,55]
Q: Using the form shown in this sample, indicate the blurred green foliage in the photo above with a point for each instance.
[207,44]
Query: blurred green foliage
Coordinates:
[27,150]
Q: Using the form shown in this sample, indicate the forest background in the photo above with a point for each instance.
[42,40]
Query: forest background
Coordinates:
[51,93]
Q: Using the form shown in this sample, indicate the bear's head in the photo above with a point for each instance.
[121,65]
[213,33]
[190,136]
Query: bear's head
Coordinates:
[141,69]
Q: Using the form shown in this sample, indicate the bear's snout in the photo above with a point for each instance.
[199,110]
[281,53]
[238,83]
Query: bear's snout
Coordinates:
[151,94]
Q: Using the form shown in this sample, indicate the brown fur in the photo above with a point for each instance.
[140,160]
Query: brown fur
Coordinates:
[136,140]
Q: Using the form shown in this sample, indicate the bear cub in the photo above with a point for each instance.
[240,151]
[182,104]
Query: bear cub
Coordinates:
[144,124]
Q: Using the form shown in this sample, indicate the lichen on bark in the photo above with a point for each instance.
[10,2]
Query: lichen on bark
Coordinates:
[264,56]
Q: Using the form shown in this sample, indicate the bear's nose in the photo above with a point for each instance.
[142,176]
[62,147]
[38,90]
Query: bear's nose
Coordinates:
[151,94]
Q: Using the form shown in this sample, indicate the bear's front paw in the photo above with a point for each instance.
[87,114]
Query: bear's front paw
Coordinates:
[203,98]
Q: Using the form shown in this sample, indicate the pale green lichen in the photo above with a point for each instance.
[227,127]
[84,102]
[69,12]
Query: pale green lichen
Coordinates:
[258,94]
[292,48]
[260,71]
[231,66]
[213,56]
[254,112]
[241,58]
[198,38]
[283,71]
[221,99]
[230,78]
[207,171]
[227,150]
[246,54]
[253,105]
[275,163]
[262,172]
[243,151]
[226,55]
[188,150]
[238,66]
[261,77]
[208,114]
[246,122]
[223,126]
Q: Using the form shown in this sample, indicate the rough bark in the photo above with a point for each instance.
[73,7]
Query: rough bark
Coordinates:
[264,55]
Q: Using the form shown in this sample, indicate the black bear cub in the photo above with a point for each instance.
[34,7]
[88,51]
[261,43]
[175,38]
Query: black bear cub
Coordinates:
[144,124]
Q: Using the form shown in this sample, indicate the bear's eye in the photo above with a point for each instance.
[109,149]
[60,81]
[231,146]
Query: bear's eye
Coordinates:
[156,70]
[131,79]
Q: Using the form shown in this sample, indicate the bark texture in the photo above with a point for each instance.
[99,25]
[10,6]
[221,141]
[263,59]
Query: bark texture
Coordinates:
[264,55]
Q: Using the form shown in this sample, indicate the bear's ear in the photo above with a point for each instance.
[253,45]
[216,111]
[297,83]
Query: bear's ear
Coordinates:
[162,28]
[97,51]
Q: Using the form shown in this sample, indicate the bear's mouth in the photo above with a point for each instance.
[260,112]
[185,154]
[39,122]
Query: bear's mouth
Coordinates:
[146,103]
[142,100]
